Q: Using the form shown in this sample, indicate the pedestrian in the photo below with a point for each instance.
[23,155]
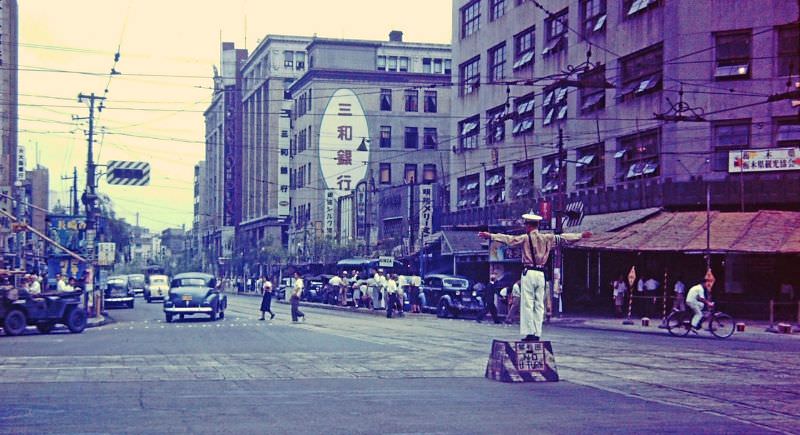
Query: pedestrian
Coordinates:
[513,304]
[391,295]
[680,295]
[379,295]
[536,249]
[413,293]
[343,285]
[266,298]
[488,292]
[618,288]
[297,292]
[366,299]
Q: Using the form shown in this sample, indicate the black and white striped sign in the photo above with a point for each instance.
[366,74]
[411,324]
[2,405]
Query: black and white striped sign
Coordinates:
[128,173]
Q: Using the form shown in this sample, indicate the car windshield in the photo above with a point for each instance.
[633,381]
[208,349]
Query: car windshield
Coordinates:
[116,283]
[460,283]
[189,282]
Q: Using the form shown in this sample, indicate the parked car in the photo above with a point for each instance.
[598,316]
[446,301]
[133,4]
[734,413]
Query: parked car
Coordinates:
[136,284]
[19,309]
[450,296]
[314,286]
[194,293]
[284,289]
[156,287]
[117,292]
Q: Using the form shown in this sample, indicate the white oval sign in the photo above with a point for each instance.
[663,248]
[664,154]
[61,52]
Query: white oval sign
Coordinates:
[343,128]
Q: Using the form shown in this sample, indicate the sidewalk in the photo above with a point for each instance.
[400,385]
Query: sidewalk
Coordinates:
[103,319]
[752,327]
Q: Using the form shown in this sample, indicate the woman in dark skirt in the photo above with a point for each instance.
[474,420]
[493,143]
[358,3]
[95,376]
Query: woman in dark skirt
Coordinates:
[266,299]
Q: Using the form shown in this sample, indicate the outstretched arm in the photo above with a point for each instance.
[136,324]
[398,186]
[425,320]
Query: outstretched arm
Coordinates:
[574,237]
[503,238]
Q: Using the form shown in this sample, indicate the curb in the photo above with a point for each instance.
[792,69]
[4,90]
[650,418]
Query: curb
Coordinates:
[349,309]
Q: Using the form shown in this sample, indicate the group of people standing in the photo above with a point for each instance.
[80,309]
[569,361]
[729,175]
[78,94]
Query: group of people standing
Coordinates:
[492,290]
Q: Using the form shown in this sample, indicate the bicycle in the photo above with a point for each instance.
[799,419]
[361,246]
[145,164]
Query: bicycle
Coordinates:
[721,325]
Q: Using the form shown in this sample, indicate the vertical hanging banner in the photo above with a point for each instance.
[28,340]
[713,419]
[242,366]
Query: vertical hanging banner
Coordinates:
[425,213]
[343,165]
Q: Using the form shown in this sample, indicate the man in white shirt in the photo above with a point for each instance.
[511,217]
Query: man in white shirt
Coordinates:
[297,291]
[379,298]
[680,295]
[61,284]
[391,295]
[698,298]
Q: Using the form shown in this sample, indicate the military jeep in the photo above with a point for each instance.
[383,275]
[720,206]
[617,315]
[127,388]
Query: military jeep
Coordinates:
[19,309]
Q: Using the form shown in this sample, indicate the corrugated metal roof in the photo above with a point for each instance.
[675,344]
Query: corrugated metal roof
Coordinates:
[767,231]
[599,223]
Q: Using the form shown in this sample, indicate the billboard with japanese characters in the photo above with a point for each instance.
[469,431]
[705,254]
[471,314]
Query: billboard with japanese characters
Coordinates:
[764,160]
[343,129]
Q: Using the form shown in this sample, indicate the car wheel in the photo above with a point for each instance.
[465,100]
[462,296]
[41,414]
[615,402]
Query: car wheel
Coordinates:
[76,320]
[15,322]
[443,310]
[44,327]
[169,318]
[221,315]
[213,315]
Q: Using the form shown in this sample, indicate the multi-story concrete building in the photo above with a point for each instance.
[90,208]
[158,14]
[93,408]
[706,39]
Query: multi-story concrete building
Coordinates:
[223,120]
[200,219]
[276,62]
[368,115]
[606,81]
[8,90]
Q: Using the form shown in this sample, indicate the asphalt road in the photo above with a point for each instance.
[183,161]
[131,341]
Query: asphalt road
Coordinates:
[354,373]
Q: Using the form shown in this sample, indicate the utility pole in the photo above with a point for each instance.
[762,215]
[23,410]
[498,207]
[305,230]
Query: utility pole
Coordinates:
[75,208]
[559,214]
[90,199]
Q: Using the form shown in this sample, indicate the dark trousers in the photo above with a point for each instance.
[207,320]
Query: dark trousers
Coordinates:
[391,304]
[491,309]
[266,303]
[295,301]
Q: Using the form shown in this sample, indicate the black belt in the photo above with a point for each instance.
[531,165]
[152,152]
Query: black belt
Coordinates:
[525,269]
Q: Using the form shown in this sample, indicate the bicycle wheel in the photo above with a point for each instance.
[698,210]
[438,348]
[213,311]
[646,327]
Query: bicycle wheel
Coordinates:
[721,325]
[678,323]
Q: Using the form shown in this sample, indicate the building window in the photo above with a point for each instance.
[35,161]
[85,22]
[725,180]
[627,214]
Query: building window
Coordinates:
[430,138]
[386,100]
[381,63]
[554,105]
[495,186]
[633,7]
[593,16]
[429,173]
[729,136]
[524,48]
[788,133]
[470,18]
[284,170]
[523,114]
[555,31]
[470,76]
[522,180]
[789,50]
[496,125]
[437,66]
[412,100]
[593,92]
[431,102]
[497,63]
[468,191]
[551,173]
[448,66]
[426,65]
[288,59]
[300,60]
[410,173]
[468,132]
[733,55]
[391,64]
[642,72]
[589,169]
[385,173]
[412,138]
[386,136]
[498,8]
[403,64]
[638,156]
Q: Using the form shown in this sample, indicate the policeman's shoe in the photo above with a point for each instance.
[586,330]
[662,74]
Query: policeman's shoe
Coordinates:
[531,338]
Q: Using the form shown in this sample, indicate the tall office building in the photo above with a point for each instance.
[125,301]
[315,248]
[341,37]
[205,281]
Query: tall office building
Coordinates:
[8,91]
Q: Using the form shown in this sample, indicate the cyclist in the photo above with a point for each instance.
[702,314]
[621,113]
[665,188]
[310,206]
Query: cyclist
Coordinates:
[698,298]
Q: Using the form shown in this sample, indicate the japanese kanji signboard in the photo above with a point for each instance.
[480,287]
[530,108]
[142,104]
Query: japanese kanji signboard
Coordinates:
[764,160]
[343,129]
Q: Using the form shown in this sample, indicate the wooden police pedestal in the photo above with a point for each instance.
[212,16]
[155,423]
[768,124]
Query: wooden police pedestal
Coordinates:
[522,361]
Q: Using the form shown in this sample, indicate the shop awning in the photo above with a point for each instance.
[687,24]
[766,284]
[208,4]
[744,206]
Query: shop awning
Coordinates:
[767,231]
[462,243]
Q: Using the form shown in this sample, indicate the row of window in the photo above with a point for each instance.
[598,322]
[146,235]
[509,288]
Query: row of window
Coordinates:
[430,100]
[430,65]
[637,156]
[429,174]
[411,137]
[593,14]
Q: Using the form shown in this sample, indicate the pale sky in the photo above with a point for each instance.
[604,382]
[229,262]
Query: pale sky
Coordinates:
[154,110]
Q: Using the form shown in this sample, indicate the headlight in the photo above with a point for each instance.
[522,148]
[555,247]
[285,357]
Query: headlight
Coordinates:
[458,293]
[474,293]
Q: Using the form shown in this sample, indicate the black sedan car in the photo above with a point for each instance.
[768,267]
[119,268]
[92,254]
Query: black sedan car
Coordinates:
[450,296]
[117,292]
[194,293]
